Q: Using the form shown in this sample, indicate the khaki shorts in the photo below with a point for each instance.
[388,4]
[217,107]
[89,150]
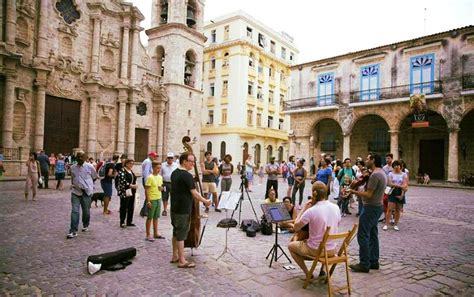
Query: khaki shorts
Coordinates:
[301,248]
[209,187]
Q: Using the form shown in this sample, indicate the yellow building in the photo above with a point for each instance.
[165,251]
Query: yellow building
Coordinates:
[246,80]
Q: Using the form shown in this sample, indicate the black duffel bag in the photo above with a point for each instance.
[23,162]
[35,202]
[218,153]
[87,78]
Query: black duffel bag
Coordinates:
[227,223]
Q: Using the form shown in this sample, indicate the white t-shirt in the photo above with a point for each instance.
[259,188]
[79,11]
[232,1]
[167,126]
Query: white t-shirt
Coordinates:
[321,215]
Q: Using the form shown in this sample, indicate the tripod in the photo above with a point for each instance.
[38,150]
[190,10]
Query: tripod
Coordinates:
[242,188]
[274,250]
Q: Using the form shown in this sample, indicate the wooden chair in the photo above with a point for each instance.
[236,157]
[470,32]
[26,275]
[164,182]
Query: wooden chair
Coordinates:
[329,263]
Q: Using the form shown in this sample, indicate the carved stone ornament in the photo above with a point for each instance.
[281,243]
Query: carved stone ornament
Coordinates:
[152,81]
[68,10]
[452,111]
[22,94]
[141,108]
[346,118]
[67,29]
[27,8]
[109,40]
[145,60]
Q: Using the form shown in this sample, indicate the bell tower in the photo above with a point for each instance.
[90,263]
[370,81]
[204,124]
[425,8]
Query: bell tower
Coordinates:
[176,45]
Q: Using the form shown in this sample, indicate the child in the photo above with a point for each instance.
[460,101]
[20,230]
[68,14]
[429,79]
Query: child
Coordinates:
[344,196]
[261,174]
[153,188]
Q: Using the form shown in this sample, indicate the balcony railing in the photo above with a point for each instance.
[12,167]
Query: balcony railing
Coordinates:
[427,88]
[10,153]
[310,102]
[468,81]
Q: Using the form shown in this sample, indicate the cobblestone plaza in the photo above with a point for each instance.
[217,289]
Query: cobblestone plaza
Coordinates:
[432,255]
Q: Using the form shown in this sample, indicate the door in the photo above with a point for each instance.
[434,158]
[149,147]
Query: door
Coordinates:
[245,154]
[432,158]
[61,125]
[141,144]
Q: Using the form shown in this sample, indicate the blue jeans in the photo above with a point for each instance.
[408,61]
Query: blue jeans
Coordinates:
[367,235]
[83,202]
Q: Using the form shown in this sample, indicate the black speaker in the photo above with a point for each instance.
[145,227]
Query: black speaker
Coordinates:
[112,258]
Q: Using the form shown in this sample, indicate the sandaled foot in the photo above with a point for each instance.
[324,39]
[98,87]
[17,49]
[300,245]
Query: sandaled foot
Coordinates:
[174,261]
[158,237]
[187,265]
[149,239]
[107,212]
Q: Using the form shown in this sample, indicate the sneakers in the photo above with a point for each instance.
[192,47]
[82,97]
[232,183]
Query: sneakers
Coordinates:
[396,228]
[123,226]
[359,268]
[218,210]
[131,225]
[85,229]
[204,215]
[71,235]
[385,228]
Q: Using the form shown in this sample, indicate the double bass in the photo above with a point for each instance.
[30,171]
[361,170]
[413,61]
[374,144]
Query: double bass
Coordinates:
[194,235]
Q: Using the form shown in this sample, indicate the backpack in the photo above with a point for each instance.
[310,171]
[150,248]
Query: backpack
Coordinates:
[102,172]
[266,227]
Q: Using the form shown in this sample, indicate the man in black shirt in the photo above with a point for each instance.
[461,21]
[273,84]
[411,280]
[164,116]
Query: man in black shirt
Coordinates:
[183,190]
[44,166]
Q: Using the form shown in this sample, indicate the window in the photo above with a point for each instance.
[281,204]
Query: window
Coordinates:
[292,56]
[380,142]
[68,11]
[251,60]
[259,119]
[281,124]
[422,74]
[282,101]
[250,88]
[211,89]
[260,67]
[222,150]
[209,146]
[328,142]
[164,12]
[282,76]
[280,154]
[226,32]
[283,53]
[270,71]
[225,86]
[210,117]
[325,89]
[270,122]
[249,117]
[224,117]
[261,40]
[270,96]
[272,46]
[225,63]
[213,36]
[249,32]
[369,82]
[259,93]
[213,63]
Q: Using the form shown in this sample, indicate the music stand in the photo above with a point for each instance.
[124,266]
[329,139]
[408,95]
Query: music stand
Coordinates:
[275,213]
[228,200]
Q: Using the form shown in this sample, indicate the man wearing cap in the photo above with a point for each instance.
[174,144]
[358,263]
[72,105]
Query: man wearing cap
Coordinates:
[166,169]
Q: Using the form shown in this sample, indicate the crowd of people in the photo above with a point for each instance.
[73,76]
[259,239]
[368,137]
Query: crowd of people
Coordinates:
[376,189]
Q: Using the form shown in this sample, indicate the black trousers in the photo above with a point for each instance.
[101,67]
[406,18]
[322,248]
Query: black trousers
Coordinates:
[127,205]
[274,184]
[45,175]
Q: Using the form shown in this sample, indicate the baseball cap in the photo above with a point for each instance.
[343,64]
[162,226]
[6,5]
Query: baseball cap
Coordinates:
[153,154]
[170,155]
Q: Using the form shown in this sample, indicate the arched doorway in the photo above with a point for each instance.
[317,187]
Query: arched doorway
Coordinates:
[269,153]
[209,147]
[327,139]
[466,144]
[425,150]
[245,155]
[280,154]
[370,134]
[257,154]
[222,150]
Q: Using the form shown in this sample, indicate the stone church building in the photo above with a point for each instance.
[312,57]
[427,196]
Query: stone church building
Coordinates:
[74,75]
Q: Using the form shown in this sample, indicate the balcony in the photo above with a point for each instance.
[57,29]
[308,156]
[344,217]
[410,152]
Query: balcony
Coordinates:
[311,102]
[427,88]
[468,82]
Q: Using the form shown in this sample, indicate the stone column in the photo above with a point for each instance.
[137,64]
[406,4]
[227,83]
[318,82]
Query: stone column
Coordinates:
[453,160]
[92,123]
[122,98]
[39,117]
[124,58]
[160,128]
[95,45]
[131,129]
[7,130]
[346,146]
[10,23]
[43,29]
[394,144]
[135,53]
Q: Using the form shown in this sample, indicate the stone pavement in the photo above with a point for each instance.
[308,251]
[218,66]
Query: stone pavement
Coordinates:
[432,255]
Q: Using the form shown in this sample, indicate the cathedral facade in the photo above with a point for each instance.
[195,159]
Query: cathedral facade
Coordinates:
[74,75]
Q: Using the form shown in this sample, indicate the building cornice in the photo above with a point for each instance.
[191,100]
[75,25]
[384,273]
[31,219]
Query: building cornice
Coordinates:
[168,28]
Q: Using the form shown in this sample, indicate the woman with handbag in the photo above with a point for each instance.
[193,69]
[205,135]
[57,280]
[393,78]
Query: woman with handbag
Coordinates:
[33,175]
[127,187]
[398,181]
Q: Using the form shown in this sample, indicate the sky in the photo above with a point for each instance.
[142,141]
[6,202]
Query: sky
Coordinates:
[323,29]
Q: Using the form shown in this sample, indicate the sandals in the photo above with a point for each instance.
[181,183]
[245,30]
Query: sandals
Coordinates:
[187,265]
[158,237]
[107,212]
[174,261]
[149,239]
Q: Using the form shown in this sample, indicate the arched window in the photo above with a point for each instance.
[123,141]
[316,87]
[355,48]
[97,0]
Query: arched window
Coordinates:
[280,154]
[68,11]
[164,12]
[251,60]
[269,153]
[271,71]
[222,150]
[213,63]
[258,150]
[191,14]
[245,154]
[225,63]
[209,147]
[190,68]
[160,60]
